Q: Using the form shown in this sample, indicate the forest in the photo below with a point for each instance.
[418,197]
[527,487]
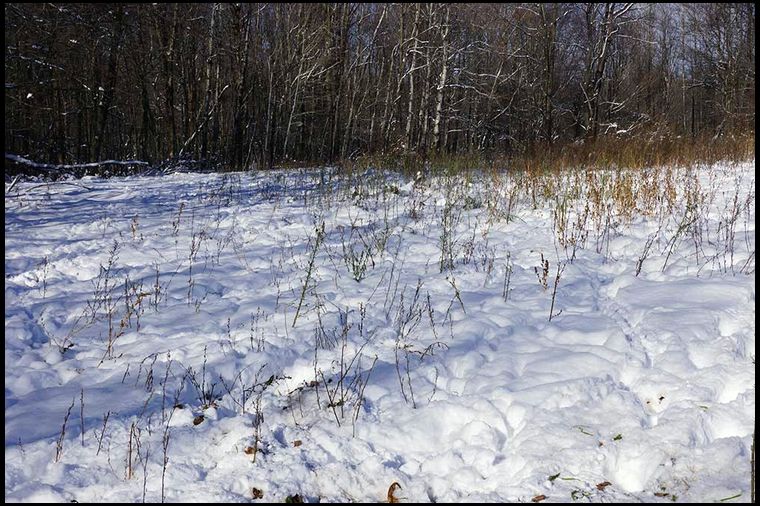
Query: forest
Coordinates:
[244,86]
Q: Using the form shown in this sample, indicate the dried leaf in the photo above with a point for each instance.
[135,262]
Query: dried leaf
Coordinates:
[554,477]
[661,494]
[603,485]
[256,493]
[198,419]
[297,443]
[539,498]
[294,499]
[249,450]
[391,498]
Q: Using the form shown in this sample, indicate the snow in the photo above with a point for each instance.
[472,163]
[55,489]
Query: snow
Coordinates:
[49,167]
[646,381]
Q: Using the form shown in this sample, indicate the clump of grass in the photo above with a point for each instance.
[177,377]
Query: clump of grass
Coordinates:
[542,273]
[59,443]
[357,255]
[314,245]
[560,270]
[346,386]
[507,276]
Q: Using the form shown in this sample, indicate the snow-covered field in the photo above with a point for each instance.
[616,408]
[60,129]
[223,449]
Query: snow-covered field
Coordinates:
[199,336]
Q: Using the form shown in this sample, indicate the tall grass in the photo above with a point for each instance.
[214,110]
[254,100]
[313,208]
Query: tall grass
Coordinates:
[604,153]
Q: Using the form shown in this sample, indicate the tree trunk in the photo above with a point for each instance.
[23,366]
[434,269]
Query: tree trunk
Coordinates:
[207,82]
[441,86]
[415,31]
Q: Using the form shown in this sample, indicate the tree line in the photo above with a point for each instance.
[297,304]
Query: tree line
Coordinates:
[253,85]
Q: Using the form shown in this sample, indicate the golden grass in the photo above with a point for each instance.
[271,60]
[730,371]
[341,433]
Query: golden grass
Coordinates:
[604,153]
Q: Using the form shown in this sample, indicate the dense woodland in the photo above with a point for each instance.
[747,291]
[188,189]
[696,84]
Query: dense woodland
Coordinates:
[253,85]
